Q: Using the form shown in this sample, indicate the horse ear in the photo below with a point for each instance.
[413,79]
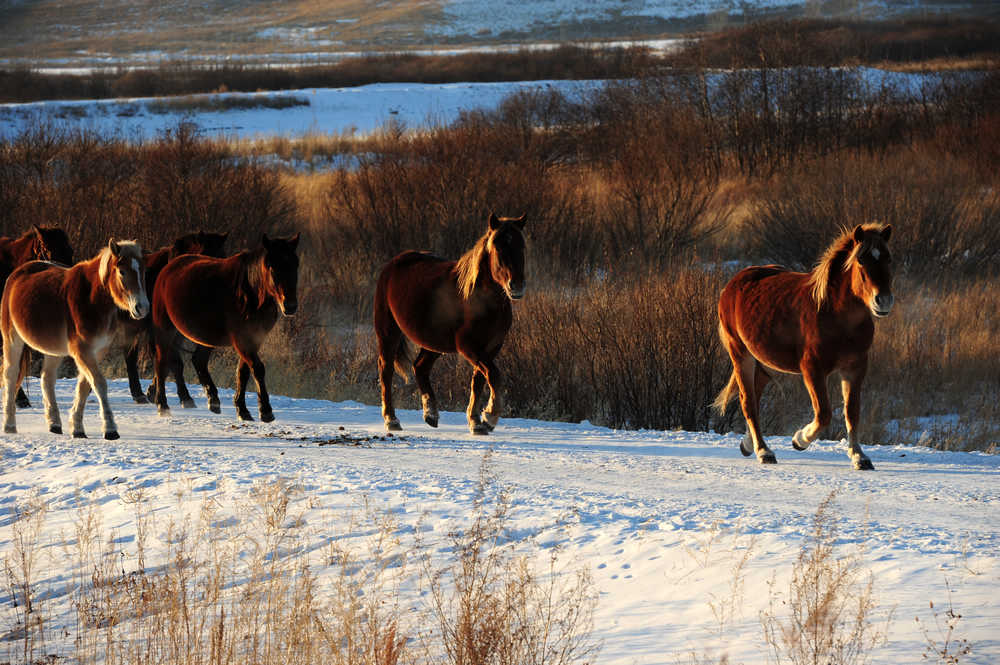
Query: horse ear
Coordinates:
[886,232]
[294,242]
[494,222]
[519,222]
[859,234]
[115,248]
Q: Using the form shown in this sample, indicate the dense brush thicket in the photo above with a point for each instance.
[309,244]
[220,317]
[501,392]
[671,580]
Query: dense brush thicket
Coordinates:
[642,200]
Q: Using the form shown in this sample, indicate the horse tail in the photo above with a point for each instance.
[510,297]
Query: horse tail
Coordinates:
[404,359]
[727,394]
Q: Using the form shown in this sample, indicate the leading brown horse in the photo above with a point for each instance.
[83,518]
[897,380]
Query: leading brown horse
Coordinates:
[64,311]
[225,302]
[444,306]
[773,319]
[139,332]
[41,243]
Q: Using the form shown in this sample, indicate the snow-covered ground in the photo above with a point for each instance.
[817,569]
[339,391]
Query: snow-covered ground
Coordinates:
[661,519]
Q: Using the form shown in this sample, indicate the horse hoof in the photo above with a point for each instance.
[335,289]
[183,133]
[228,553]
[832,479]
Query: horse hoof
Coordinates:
[163,412]
[79,435]
[111,436]
[215,407]
[430,420]
[863,464]
[393,425]
[23,403]
[267,417]
[188,403]
[245,415]
[55,429]
[10,429]
[481,429]
[745,448]
[799,441]
[140,399]
[767,458]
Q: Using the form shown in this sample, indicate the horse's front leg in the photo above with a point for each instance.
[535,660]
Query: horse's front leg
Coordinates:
[79,403]
[240,399]
[132,369]
[263,398]
[491,413]
[814,378]
[476,425]
[86,363]
[850,385]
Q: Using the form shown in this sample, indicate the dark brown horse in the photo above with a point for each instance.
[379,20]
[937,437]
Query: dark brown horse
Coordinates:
[41,243]
[443,306]
[772,319]
[137,333]
[225,302]
[64,311]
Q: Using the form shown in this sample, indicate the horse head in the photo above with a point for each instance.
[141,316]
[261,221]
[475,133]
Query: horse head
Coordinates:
[123,274]
[281,271]
[506,248]
[871,276]
[202,242]
[52,244]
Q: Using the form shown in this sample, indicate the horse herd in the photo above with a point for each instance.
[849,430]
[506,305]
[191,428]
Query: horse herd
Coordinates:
[191,296]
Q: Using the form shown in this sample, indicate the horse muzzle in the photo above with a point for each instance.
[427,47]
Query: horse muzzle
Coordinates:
[289,308]
[139,309]
[881,305]
[516,292]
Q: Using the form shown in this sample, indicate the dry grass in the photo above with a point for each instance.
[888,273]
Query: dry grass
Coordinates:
[248,580]
[829,614]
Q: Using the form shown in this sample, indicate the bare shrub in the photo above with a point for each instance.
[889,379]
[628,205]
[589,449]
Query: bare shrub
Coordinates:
[945,646]
[828,615]
[489,605]
[20,564]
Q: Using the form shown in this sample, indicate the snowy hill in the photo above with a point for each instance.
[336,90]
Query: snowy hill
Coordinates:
[661,519]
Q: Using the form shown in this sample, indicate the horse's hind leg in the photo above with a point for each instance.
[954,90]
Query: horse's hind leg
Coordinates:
[746,378]
[422,371]
[22,397]
[200,359]
[50,366]
[13,345]
[132,369]
[850,384]
[177,369]
[390,338]
[815,379]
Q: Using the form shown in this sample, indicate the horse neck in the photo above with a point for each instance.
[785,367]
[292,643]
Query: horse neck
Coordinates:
[841,296]
[251,278]
[20,250]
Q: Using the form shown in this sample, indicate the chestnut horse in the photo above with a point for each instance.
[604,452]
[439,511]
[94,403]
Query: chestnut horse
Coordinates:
[139,332]
[443,306]
[41,243]
[225,302]
[773,319]
[64,311]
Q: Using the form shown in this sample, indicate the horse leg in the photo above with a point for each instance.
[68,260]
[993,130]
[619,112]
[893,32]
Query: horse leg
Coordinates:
[13,346]
[22,397]
[177,369]
[388,346]
[850,385]
[263,399]
[240,400]
[476,425]
[158,387]
[200,361]
[815,380]
[491,413]
[79,403]
[132,369]
[86,363]
[50,366]
[422,371]
[746,378]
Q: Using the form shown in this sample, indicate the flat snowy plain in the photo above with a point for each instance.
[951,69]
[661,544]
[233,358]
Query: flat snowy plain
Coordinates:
[661,519]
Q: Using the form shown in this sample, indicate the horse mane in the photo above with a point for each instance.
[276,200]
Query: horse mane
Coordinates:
[105,256]
[251,283]
[840,256]
[467,267]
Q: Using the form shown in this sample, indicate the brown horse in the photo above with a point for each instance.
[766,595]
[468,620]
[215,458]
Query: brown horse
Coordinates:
[443,306]
[41,243]
[64,311]
[772,319]
[225,302]
[136,333]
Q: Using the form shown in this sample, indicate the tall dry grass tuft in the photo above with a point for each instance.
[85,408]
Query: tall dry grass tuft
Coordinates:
[20,576]
[490,606]
[829,614]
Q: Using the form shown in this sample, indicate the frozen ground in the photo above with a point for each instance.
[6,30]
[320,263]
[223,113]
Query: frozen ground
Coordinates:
[660,518]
